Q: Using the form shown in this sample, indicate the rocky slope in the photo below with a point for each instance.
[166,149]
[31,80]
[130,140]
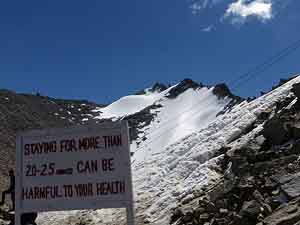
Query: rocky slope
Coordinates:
[22,111]
[261,174]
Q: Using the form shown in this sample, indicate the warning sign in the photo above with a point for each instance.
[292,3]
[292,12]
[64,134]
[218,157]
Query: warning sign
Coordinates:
[74,168]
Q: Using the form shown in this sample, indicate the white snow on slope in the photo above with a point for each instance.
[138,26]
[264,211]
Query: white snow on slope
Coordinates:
[129,105]
[168,174]
[189,112]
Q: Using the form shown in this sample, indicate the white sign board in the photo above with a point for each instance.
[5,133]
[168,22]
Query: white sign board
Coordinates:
[74,168]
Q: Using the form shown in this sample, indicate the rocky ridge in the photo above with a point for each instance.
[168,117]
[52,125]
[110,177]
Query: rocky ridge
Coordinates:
[23,111]
[261,177]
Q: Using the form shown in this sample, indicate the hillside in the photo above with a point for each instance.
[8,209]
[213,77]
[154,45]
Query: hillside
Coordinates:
[22,111]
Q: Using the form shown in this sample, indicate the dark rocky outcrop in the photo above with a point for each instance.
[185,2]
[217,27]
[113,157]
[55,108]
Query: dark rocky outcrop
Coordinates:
[296,90]
[222,91]
[275,131]
[140,120]
[157,87]
[182,87]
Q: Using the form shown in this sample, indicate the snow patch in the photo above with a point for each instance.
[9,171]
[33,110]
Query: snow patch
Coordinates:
[129,105]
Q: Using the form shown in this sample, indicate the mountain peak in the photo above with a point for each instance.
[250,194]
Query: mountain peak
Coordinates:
[190,83]
[158,87]
[221,90]
[182,87]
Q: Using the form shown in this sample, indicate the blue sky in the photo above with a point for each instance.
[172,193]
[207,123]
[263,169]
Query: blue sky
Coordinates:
[102,50]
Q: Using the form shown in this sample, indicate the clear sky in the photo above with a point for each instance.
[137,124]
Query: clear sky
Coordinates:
[101,50]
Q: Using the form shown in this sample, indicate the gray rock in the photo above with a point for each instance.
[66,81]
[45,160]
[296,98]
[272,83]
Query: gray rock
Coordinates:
[296,90]
[292,188]
[258,196]
[199,211]
[177,214]
[296,130]
[269,185]
[220,203]
[290,184]
[274,131]
[205,217]
[267,209]
[223,211]
[250,209]
[285,215]
[216,191]
[188,217]
[284,178]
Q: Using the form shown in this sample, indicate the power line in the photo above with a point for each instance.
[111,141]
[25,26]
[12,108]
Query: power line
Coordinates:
[239,81]
[283,9]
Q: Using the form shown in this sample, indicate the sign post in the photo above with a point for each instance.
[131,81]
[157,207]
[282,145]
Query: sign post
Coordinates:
[74,168]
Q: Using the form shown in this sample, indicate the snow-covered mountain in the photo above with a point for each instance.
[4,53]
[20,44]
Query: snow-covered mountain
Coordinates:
[168,115]
[177,133]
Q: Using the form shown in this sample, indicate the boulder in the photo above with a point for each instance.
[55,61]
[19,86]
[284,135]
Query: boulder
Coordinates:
[292,188]
[250,209]
[258,197]
[177,214]
[290,184]
[295,130]
[264,115]
[239,164]
[296,90]
[288,214]
[269,185]
[265,156]
[274,131]
[188,217]
[222,221]
[236,220]
[209,206]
